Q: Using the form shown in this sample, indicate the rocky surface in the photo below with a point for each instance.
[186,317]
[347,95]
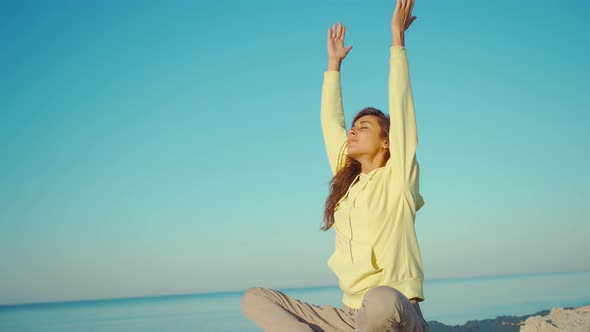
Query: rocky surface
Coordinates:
[560,319]
[556,319]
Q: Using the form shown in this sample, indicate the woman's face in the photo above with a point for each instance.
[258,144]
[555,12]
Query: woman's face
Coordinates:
[363,137]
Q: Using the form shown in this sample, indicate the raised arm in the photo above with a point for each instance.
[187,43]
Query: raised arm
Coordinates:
[403,135]
[332,111]
[403,138]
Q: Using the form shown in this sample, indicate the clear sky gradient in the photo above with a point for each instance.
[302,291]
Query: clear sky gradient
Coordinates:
[152,148]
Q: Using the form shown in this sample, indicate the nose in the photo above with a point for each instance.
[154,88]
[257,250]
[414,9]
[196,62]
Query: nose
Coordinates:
[351,132]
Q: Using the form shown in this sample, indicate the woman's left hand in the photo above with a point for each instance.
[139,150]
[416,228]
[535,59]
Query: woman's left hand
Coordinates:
[402,16]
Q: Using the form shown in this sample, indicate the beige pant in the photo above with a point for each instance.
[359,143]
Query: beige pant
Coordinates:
[384,309]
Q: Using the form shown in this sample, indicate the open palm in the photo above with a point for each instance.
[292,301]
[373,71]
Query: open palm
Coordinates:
[402,15]
[336,49]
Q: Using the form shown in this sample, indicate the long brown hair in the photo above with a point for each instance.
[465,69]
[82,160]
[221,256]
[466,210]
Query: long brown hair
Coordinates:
[343,178]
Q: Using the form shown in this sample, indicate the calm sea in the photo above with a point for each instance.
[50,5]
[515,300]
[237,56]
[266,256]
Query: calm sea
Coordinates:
[450,301]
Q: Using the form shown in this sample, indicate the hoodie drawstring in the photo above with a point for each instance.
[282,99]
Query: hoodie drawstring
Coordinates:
[350,208]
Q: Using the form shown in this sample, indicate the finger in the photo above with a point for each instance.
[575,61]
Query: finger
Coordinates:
[343,32]
[398,4]
[335,31]
[329,33]
[341,35]
[412,5]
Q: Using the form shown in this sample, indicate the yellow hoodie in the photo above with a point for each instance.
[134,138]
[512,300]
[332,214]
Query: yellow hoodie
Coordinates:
[376,241]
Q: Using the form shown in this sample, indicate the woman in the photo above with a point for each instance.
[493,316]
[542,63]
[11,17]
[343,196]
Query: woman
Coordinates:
[372,205]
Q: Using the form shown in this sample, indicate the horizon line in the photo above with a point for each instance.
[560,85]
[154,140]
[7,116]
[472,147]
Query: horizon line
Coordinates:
[287,288]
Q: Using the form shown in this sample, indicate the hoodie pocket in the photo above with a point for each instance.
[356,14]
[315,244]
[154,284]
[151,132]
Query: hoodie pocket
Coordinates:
[359,273]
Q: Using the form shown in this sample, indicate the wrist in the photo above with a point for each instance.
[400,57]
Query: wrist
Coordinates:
[334,64]
[397,38]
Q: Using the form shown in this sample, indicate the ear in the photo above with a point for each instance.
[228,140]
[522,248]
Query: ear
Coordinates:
[385,144]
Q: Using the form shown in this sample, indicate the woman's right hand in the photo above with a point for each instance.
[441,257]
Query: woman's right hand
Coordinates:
[336,50]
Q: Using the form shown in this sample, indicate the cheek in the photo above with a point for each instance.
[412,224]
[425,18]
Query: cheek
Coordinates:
[367,141]
[373,142]
[367,138]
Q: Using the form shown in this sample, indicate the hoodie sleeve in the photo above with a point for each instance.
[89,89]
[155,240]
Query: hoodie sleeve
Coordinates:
[403,137]
[333,122]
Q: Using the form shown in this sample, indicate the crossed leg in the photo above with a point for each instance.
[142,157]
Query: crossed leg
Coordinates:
[384,309]
[273,311]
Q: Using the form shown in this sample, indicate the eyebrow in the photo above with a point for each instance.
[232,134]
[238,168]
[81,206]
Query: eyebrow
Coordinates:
[366,122]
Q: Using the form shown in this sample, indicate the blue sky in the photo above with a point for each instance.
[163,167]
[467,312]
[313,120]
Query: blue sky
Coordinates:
[151,149]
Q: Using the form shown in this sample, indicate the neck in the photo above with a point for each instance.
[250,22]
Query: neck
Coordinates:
[370,164]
